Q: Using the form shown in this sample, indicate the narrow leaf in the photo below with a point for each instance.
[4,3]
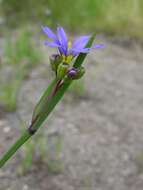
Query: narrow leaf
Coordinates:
[43,99]
[79,60]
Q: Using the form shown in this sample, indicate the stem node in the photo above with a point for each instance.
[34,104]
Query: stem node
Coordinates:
[31,130]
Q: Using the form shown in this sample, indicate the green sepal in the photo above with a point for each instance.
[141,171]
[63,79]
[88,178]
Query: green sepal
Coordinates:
[79,73]
[62,70]
[55,60]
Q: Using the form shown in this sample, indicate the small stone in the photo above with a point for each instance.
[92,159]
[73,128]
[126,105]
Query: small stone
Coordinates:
[2,123]
[25,187]
[6,129]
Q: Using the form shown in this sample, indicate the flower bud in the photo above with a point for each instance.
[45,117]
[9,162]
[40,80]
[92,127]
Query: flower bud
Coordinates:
[55,60]
[75,73]
[62,70]
[72,72]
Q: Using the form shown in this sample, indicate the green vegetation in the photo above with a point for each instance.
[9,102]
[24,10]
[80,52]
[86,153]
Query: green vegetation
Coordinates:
[21,51]
[20,57]
[120,17]
[139,162]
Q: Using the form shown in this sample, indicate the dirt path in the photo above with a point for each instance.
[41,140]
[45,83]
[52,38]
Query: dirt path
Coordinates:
[102,131]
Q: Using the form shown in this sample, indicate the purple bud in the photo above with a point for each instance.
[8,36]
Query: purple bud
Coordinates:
[72,72]
[75,73]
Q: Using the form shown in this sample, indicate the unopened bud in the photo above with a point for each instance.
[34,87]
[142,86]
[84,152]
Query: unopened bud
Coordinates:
[55,60]
[76,73]
[72,72]
[62,70]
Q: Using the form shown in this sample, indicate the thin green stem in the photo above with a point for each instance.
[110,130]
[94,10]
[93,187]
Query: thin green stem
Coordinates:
[25,136]
[36,125]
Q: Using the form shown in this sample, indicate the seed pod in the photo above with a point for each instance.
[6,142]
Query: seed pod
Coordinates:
[62,70]
[55,60]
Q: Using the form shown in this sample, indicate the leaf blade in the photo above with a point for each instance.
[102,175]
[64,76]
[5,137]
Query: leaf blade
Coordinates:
[43,99]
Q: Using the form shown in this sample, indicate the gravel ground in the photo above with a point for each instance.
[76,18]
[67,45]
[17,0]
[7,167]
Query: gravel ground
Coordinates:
[101,130]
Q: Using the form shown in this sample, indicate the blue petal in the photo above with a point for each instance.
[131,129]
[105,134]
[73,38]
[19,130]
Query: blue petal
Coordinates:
[62,38]
[62,50]
[49,33]
[98,46]
[75,52]
[80,42]
[82,50]
[51,44]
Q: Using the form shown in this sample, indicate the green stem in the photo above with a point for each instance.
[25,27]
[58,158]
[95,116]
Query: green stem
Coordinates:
[47,110]
[43,99]
[25,136]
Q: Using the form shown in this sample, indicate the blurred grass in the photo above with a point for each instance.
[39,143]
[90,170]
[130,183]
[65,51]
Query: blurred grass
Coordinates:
[77,89]
[44,151]
[119,17]
[20,56]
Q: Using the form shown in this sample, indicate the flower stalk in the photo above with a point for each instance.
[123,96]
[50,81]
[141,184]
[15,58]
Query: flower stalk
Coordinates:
[45,106]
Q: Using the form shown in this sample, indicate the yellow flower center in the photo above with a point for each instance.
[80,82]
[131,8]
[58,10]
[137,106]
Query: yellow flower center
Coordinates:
[67,59]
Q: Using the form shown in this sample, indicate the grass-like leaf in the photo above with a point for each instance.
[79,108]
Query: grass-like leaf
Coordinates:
[43,99]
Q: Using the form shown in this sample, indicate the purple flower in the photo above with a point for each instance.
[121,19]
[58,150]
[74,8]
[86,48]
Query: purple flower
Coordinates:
[65,47]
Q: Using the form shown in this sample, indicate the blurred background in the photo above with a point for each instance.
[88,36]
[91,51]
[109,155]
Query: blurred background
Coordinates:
[122,17]
[93,139]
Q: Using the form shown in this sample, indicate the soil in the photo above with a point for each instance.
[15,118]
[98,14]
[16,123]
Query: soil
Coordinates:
[101,129]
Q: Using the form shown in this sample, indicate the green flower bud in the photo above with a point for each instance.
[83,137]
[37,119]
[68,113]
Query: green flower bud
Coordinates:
[55,60]
[80,72]
[62,70]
